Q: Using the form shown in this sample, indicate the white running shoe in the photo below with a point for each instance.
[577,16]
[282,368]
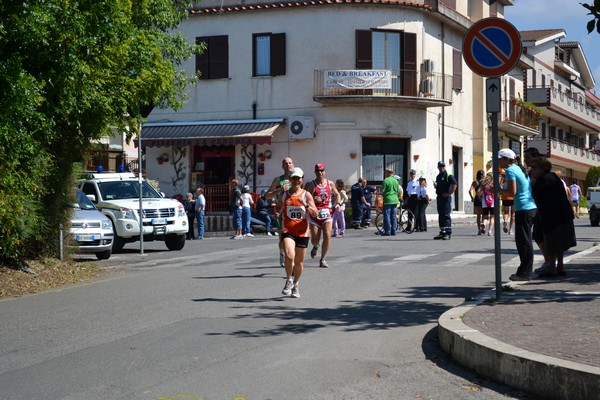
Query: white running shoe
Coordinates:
[249,235]
[269,234]
[287,289]
[323,263]
[295,291]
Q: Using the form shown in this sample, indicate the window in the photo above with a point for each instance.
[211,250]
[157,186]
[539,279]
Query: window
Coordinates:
[456,70]
[379,154]
[393,50]
[214,62]
[268,50]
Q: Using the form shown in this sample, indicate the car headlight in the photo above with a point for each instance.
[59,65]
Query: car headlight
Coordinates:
[106,225]
[180,211]
[127,213]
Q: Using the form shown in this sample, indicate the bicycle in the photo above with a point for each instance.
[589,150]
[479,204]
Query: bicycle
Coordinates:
[403,217]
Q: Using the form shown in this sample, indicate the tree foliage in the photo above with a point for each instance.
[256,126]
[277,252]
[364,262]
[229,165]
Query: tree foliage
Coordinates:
[70,70]
[594,11]
[592,176]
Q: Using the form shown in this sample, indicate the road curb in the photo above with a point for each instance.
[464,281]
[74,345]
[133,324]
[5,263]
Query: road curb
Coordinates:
[544,376]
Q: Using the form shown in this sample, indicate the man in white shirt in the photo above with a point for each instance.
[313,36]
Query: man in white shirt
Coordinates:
[412,203]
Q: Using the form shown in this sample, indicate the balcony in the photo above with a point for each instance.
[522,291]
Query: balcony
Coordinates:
[414,89]
[566,154]
[565,109]
[518,118]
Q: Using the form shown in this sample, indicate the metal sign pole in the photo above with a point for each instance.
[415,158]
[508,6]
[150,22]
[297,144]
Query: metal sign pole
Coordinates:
[493,107]
[141,214]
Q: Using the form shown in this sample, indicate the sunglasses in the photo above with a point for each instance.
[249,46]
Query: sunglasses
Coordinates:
[319,170]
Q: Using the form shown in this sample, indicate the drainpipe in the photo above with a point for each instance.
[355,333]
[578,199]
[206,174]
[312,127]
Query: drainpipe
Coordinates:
[254,106]
[443,115]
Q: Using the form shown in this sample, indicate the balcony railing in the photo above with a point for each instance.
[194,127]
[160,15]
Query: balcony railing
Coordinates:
[574,105]
[580,157]
[416,88]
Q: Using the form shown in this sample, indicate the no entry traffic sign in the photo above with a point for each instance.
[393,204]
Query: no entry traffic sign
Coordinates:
[492,47]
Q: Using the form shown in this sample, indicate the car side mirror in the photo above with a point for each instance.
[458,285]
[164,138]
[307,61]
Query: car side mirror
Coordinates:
[92,197]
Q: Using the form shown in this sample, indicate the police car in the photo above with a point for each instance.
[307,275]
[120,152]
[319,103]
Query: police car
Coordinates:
[116,195]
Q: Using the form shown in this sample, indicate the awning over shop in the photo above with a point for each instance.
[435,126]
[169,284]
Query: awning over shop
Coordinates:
[209,133]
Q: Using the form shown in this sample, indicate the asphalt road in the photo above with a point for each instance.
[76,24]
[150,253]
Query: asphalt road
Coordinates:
[209,322]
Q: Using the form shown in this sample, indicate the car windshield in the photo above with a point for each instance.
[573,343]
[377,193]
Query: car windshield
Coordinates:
[117,190]
[82,201]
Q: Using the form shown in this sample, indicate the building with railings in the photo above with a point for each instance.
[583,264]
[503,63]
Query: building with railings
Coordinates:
[359,85]
[560,85]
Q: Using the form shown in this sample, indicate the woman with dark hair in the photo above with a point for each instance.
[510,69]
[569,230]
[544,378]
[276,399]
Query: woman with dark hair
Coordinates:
[476,199]
[556,216]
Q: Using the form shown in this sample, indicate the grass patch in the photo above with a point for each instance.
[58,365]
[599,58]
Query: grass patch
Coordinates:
[49,273]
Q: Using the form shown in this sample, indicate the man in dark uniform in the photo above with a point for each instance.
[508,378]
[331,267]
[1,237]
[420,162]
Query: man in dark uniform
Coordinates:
[445,186]
[358,202]
[368,192]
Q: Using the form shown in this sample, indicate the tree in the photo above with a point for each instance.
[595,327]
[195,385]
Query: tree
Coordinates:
[594,10]
[69,71]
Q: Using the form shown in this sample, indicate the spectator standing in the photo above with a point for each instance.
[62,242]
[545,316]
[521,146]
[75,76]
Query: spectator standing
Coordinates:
[389,190]
[575,198]
[368,193]
[411,196]
[199,211]
[236,209]
[476,199]
[358,203]
[445,185]
[247,203]
[518,186]
[294,206]
[423,201]
[487,202]
[264,208]
[339,219]
[556,216]
[188,206]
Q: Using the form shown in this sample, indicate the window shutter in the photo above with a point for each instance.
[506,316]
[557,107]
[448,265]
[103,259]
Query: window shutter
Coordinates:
[456,70]
[219,57]
[278,54]
[449,3]
[364,50]
[408,64]
[202,59]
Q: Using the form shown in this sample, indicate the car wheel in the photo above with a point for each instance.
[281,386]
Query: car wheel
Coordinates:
[118,242]
[175,242]
[105,255]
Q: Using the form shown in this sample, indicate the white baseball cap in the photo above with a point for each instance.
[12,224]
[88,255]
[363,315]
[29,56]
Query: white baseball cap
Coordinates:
[297,171]
[508,153]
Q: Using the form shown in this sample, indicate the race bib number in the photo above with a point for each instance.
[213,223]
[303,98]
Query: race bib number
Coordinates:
[324,213]
[296,212]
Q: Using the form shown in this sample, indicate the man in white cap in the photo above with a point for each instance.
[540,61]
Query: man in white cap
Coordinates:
[519,187]
[412,202]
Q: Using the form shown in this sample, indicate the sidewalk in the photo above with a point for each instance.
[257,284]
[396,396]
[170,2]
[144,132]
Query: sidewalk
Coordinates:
[543,337]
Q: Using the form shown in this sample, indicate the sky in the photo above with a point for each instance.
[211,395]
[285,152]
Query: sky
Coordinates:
[561,14]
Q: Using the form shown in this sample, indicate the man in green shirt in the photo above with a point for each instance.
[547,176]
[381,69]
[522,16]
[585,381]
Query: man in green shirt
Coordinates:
[389,191]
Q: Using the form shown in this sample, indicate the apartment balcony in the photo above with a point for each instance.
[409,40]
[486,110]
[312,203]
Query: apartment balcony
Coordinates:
[565,154]
[518,119]
[404,88]
[565,109]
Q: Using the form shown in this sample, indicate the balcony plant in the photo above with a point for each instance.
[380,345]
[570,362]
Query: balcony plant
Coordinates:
[526,105]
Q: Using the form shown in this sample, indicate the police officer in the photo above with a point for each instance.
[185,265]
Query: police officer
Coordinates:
[445,186]
[412,202]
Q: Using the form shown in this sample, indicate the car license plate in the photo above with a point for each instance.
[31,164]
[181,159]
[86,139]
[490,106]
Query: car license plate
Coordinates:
[84,238]
[159,221]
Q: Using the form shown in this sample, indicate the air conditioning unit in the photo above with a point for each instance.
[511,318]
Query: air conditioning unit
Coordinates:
[427,87]
[301,128]
[427,66]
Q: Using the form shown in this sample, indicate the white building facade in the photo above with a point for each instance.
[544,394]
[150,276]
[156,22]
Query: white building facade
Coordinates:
[357,85]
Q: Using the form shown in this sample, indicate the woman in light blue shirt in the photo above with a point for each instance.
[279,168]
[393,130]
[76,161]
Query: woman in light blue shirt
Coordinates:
[519,187]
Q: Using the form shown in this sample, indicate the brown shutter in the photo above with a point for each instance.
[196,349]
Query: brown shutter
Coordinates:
[456,69]
[219,57]
[449,3]
[278,54]
[408,64]
[202,59]
[364,50]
